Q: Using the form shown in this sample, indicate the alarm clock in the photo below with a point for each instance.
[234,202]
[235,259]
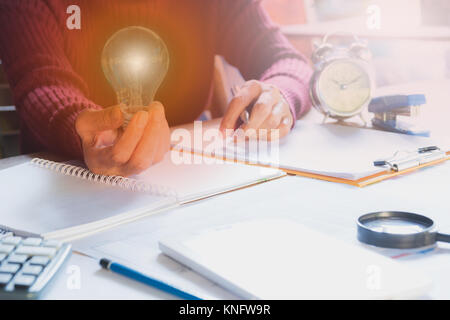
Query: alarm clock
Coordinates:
[341,86]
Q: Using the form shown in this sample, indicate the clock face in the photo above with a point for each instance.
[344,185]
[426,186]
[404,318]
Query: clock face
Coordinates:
[344,87]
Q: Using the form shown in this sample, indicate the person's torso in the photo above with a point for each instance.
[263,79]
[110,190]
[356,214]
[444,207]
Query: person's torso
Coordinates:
[187,27]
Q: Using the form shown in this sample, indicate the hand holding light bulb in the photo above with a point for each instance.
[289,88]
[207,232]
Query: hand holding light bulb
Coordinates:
[111,149]
[128,138]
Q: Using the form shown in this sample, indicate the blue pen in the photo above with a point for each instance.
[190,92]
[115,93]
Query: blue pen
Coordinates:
[135,275]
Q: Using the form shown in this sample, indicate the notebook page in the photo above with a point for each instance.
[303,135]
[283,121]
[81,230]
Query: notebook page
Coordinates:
[342,151]
[194,177]
[328,149]
[40,201]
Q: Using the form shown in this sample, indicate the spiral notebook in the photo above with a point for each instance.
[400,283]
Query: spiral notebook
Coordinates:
[66,201]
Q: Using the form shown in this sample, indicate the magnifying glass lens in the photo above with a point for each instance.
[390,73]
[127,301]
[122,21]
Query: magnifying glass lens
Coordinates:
[395,226]
[397,229]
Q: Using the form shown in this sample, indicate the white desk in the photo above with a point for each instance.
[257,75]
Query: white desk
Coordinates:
[329,207]
[82,278]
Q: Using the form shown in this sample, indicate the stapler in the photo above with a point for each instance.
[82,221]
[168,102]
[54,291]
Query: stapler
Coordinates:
[387,109]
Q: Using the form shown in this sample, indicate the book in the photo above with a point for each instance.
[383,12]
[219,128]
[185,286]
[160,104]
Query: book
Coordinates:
[66,201]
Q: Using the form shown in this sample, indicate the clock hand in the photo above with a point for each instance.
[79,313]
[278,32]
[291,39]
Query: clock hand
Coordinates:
[341,86]
[344,86]
[337,83]
[353,81]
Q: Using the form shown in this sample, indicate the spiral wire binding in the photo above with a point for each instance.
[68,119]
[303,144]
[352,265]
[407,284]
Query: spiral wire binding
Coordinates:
[115,181]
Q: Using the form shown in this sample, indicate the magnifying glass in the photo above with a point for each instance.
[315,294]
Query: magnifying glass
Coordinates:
[397,229]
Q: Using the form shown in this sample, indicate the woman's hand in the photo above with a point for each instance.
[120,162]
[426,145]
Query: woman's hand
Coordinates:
[111,150]
[270,111]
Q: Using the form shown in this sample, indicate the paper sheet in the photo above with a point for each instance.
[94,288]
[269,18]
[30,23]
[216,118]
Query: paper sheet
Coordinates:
[39,201]
[195,177]
[329,149]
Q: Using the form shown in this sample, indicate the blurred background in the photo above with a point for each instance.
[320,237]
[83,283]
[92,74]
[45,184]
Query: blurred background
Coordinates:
[409,40]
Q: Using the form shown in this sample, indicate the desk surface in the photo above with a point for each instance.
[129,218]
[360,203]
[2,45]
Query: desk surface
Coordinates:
[327,207]
[82,278]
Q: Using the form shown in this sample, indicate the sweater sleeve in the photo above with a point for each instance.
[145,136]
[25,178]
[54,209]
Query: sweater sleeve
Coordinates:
[250,41]
[48,94]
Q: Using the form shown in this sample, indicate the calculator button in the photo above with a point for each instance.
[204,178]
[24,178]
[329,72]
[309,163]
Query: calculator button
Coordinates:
[6,248]
[4,279]
[32,241]
[52,243]
[17,258]
[33,270]
[39,260]
[36,251]
[6,234]
[2,257]
[23,280]
[9,268]
[12,240]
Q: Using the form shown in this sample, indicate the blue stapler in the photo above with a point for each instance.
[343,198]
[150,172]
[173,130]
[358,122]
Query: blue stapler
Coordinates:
[387,109]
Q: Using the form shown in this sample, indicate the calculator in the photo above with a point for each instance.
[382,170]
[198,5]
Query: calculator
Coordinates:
[28,264]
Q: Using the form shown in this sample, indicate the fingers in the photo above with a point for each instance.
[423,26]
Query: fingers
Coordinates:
[100,120]
[262,110]
[274,119]
[145,141]
[126,144]
[155,141]
[110,160]
[270,113]
[285,126]
[164,145]
[249,92]
[90,121]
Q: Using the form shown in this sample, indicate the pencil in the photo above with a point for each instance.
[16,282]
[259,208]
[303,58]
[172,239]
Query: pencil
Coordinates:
[138,276]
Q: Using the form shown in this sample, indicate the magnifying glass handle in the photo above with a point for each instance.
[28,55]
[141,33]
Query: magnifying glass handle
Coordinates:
[443,237]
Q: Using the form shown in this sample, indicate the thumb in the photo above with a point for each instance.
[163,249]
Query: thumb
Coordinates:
[91,121]
[156,112]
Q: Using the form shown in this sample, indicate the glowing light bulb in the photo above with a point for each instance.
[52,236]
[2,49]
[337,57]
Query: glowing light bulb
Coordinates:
[135,61]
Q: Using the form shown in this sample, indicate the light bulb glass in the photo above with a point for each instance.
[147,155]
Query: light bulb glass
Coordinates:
[135,61]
